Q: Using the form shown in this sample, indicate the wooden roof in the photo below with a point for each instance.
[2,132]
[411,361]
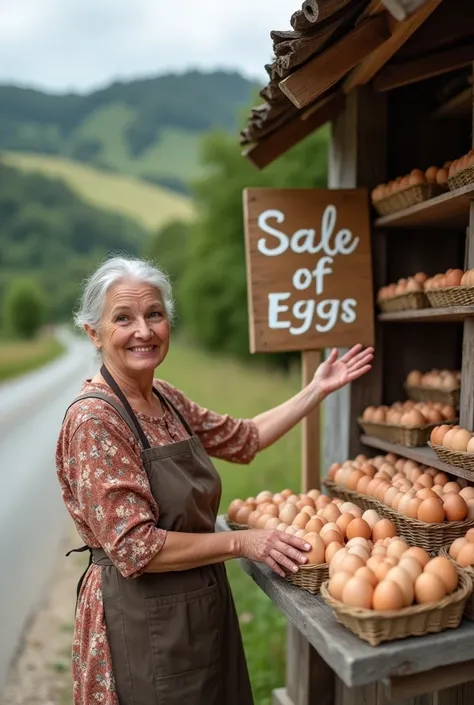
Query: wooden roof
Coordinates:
[335,46]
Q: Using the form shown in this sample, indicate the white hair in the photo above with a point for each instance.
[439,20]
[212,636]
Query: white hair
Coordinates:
[112,270]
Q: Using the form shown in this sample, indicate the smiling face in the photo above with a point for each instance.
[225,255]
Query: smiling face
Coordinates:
[133,333]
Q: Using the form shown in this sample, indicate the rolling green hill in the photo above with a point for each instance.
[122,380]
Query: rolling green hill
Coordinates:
[151,206]
[148,128]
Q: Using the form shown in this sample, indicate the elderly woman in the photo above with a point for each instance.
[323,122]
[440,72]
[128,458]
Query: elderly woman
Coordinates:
[155,620]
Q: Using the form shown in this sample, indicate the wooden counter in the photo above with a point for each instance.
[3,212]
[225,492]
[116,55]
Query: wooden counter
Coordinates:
[407,668]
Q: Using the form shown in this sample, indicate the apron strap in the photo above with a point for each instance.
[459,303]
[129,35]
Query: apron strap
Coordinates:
[113,385]
[167,402]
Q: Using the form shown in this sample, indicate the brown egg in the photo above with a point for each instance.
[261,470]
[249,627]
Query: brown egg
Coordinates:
[351,563]
[262,496]
[331,512]
[431,511]
[455,507]
[470,535]
[358,593]
[426,480]
[331,526]
[441,478]
[467,493]
[315,525]
[282,527]
[404,582]
[460,440]
[314,494]
[331,537]
[382,569]
[337,584]
[466,555]
[351,508]
[358,527]
[445,571]
[431,174]
[343,522]
[253,518]
[411,566]
[383,529]
[331,550]
[456,547]
[411,508]
[397,547]
[262,521]
[288,513]
[301,520]
[316,554]
[360,551]
[242,515]
[429,588]
[335,565]
[452,487]
[413,418]
[366,574]
[272,523]
[387,597]
[419,554]
[310,511]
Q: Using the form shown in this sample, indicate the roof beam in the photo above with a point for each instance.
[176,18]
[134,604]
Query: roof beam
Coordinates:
[401,32]
[314,78]
[396,75]
[275,145]
[401,9]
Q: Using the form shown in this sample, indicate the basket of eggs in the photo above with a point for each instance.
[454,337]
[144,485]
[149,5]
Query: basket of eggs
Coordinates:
[453,445]
[453,288]
[406,191]
[406,294]
[461,551]
[425,506]
[442,387]
[407,423]
[394,591]
[461,171]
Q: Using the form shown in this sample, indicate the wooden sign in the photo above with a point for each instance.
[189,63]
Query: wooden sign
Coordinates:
[309,270]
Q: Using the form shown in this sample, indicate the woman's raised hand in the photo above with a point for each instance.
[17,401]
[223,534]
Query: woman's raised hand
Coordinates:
[282,552]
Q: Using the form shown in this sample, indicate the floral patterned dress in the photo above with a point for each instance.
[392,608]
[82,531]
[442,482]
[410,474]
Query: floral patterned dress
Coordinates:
[107,493]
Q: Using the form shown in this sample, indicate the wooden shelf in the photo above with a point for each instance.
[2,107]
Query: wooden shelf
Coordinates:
[423,455]
[459,105]
[448,210]
[446,314]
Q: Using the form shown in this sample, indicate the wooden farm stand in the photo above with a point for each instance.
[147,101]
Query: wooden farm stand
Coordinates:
[394,78]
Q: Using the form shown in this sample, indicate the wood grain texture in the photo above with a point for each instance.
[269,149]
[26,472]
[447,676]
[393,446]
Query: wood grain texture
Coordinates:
[292,132]
[310,427]
[338,298]
[401,32]
[424,67]
[355,662]
[315,77]
[451,209]
[444,677]
[448,313]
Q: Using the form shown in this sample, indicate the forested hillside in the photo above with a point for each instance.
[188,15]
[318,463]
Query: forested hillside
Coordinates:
[149,128]
[52,237]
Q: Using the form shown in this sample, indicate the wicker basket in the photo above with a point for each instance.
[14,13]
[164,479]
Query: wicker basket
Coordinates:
[417,620]
[442,396]
[462,178]
[404,302]
[234,526]
[454,457]
[431,537]
[451,296]
[310,577]
[408,436]
[469,608]
[408,197]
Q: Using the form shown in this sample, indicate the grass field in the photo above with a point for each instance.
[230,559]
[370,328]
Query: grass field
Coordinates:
[151,205]
[19,357]
[227,386]
[174,154]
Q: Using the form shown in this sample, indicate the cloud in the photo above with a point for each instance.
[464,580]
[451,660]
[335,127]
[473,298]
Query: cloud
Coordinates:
[82,44]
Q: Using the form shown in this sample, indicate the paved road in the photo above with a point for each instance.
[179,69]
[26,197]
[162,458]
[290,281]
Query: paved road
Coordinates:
[32,516]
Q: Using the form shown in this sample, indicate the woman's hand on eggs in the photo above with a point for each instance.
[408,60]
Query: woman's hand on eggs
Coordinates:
[280,551]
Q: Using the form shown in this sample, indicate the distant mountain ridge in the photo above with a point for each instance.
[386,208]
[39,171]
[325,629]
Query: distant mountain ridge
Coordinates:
[149,128]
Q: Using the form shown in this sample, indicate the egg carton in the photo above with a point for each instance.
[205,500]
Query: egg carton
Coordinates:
[415,300]
[469,571]
[417,620]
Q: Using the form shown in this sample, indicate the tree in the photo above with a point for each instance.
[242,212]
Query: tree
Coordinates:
[212,290]
[24,308]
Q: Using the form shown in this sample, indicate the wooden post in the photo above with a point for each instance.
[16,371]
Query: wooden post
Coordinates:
[311,431]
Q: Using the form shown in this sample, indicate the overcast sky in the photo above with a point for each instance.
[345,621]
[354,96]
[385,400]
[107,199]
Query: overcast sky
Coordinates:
[79,45]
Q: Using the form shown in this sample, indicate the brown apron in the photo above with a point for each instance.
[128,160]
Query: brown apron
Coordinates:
[174,636]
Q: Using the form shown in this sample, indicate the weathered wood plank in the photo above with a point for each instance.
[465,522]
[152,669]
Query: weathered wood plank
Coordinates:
[419,69]
[401,9]
[445,677]
[354,661]
[269,149]
[402,31]
[315,77]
